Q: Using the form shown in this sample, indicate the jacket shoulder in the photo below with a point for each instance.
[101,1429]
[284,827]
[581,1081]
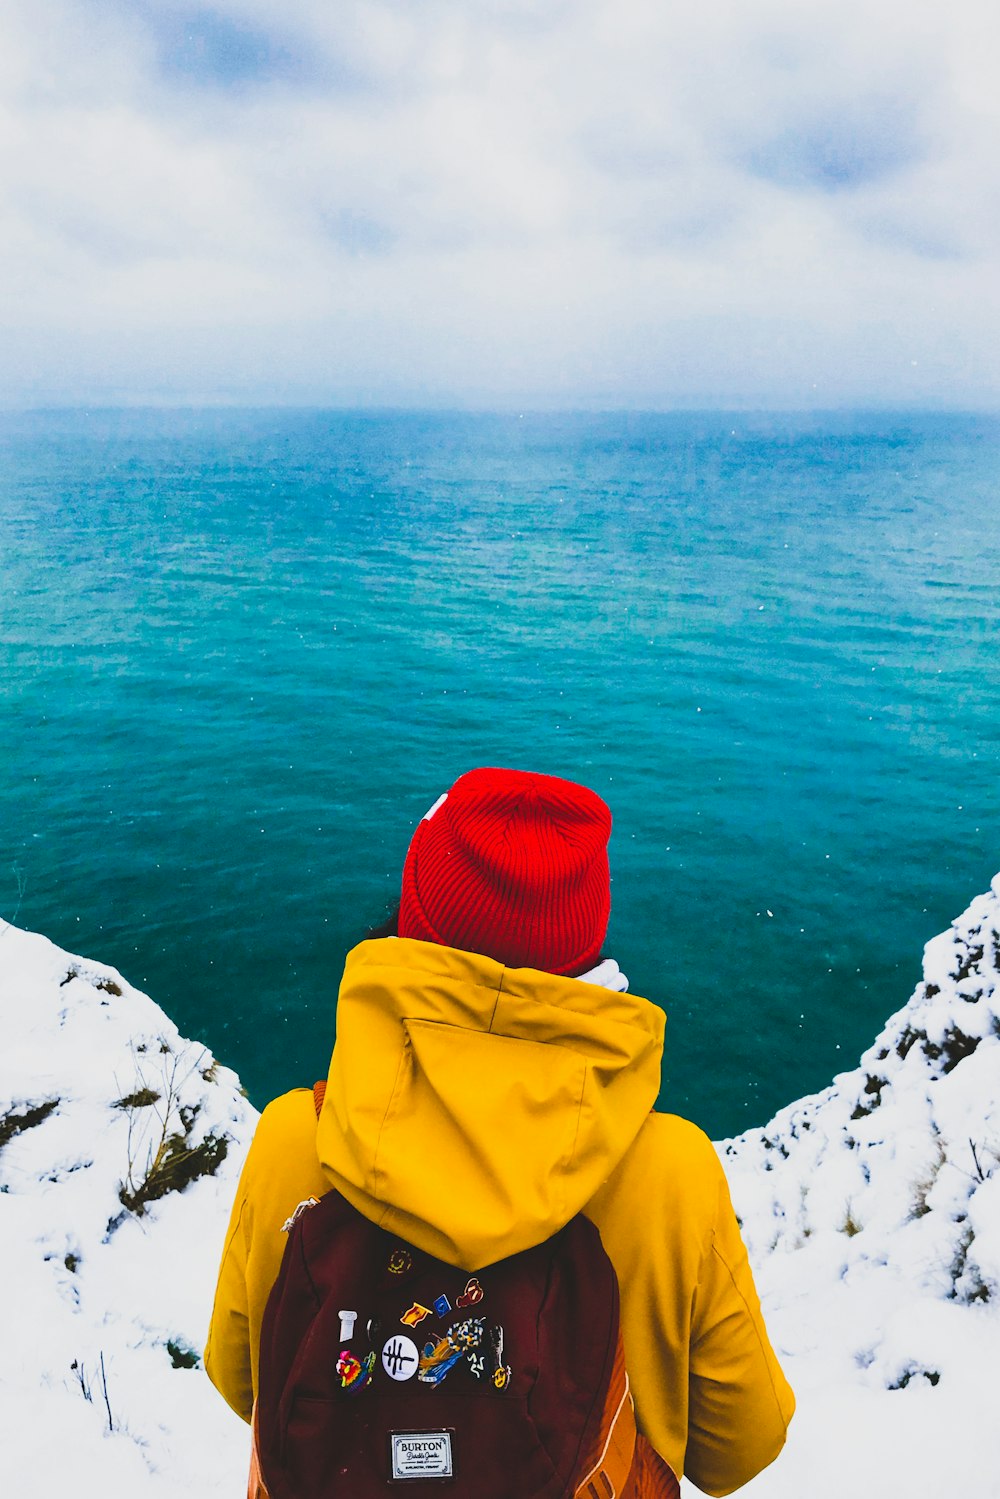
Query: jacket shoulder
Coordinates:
[282,1158]
[675,1140]
[291,1102]
[676,1162]
[290,1113]
[659,1206]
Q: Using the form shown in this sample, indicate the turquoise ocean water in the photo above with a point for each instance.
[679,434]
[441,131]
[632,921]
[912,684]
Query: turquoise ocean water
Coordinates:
[242,652]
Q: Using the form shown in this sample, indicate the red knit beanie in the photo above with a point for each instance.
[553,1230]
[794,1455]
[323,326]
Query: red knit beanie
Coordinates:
[512,865]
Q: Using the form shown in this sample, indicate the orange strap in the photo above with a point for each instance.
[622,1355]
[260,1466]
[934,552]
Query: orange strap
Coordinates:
[651,1477]
[622,1464]
[255,1483]
[610,1463]
[319,1093]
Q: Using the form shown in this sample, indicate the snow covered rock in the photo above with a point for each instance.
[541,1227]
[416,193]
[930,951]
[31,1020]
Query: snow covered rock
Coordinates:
[120,1144]
[871,1213]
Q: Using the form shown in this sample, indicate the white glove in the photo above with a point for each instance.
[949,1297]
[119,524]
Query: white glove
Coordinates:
[607,975]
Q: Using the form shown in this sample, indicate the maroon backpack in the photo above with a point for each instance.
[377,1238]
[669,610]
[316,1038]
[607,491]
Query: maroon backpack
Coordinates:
[383,1370]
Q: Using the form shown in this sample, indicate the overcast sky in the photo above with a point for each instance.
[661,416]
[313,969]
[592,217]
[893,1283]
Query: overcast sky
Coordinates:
[501,202]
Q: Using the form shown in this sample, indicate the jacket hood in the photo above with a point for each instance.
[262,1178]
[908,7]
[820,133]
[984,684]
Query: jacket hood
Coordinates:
[473,1109]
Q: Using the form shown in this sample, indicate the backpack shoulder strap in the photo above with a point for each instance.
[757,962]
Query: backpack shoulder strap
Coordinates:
[319,1093]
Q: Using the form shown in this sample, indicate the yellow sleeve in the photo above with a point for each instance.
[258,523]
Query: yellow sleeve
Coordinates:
[227,1348]
[739,1403]
[709,1394]
[281,1170]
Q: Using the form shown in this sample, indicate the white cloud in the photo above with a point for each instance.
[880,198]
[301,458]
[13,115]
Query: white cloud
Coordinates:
[591,202]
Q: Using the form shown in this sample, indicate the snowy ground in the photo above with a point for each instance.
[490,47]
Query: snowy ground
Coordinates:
[871,1211]
[101,1098]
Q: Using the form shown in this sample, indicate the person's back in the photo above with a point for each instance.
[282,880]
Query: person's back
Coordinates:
[490,1080]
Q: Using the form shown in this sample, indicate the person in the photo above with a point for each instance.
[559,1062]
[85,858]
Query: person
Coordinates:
[492,1077]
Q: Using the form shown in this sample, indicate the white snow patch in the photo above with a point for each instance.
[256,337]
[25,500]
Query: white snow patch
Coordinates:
[871,1212]
[97,1303]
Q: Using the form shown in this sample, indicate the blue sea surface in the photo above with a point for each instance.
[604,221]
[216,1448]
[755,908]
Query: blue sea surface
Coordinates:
[241,652]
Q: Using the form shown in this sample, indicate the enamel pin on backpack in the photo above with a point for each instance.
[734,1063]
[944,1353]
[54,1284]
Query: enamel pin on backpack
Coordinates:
[384,1371]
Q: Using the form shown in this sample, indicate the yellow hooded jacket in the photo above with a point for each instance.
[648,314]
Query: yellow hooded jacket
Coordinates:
[473,1109]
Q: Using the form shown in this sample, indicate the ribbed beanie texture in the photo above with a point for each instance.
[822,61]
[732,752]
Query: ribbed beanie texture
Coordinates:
[512,865]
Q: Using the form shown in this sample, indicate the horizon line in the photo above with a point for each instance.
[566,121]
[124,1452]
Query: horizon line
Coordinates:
[514,410]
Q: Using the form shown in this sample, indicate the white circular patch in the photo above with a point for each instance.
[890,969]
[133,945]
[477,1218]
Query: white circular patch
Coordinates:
[400,1357]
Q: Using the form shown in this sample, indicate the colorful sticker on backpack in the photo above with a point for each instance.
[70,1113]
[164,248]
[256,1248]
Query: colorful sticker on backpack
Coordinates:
[440,1357]
[400,1358]
[354,1373]
[501,1371]
[416,1313]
